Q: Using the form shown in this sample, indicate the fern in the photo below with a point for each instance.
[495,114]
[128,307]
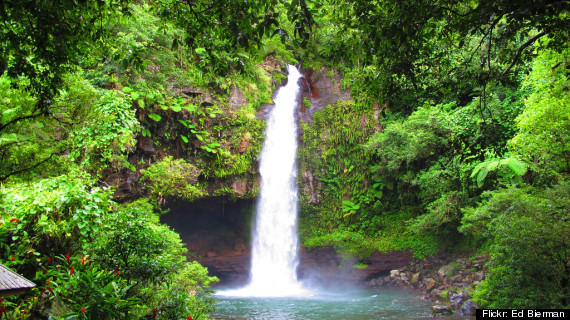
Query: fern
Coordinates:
[511,169]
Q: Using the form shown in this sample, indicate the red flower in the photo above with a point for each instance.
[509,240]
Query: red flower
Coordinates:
[2,310]
[43,290]
[83,310]
[116,271]
[84,259]
[12,259]
[71,271]
[50,259]
[50,288]
[190,318]
[14,220]
[67,257]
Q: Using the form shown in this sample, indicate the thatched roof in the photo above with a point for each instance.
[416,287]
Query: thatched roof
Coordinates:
[12,283]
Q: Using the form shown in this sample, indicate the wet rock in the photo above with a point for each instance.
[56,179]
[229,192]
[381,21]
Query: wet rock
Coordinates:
[309,187]
[430,285]
[206,99]
[245,142]
[322,88]
[237,98]
[441,310]
[444,270]
[478,276]
[415,278]
[394,273]
[239,186]
[146,144]
[323,263]
[229,269]
[459,298]
[468,308]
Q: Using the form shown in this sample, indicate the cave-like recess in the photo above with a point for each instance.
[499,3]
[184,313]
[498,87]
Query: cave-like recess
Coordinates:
[212,227]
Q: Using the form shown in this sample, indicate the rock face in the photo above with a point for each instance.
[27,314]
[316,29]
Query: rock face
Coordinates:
[232,270]
[319,265]
[322,88]
[324,264]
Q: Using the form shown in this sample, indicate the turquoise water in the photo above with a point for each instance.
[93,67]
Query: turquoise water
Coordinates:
[348,304]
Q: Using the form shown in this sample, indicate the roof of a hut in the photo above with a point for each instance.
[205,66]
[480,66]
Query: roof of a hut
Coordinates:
[12,283]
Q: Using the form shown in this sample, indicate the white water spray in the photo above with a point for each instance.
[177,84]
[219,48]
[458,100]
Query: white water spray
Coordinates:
[275,242]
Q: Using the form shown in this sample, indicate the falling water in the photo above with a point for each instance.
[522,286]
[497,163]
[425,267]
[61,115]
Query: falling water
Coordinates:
[275,249]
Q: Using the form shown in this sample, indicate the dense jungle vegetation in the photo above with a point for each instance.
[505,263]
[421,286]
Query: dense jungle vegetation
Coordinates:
[456,139]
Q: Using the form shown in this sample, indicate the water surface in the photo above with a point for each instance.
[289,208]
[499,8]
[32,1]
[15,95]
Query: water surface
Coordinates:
[341,303]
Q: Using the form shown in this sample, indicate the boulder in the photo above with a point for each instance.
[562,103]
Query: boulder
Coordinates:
[459,298]
[467,309]
[441,310]
[239,185]
[430,285]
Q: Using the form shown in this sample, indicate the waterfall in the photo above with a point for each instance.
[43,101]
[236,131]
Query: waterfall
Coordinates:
[274,257]
[275,248]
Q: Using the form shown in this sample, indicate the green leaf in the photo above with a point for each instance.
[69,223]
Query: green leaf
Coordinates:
[176,107]
[517,166]
[481,176]
[242,55]
[184,138]
[127,90]
[155,117]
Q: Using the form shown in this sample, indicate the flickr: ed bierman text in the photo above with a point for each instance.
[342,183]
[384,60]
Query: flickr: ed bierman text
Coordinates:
[523,313]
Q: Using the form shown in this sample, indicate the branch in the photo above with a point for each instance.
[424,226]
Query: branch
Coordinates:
[519,52]
[4,177]
[2,127]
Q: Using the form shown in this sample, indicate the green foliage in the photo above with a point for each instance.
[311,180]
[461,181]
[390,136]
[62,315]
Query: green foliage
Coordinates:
[169,177]
[188,293]
[91,258]
[349,208]
[107,136]
[545,122]
[360,266]
[36,47]
[411,142]
[23,139]
[509,170]
[530,230]
[132,242]
[85,290]
[50,215]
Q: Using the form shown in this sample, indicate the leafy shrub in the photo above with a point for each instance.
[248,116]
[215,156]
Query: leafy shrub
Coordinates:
[530,229]
[51,215]
[133,242]
[107,135]
[170,177]
[545,122]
